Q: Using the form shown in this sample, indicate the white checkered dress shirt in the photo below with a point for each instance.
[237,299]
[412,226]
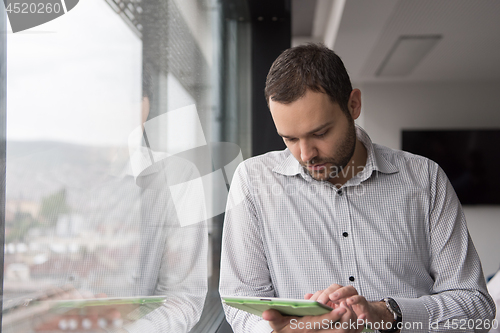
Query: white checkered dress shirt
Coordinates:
[396,230]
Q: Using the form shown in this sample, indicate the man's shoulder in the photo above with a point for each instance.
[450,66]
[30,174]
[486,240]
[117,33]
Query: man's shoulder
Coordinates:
[403,159]
[260,170]
[267,161]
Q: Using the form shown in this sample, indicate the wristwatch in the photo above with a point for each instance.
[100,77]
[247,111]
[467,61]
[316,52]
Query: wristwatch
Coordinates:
[393,308]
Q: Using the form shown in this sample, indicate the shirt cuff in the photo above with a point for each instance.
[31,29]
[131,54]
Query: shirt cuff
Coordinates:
[262,326]
[415,315]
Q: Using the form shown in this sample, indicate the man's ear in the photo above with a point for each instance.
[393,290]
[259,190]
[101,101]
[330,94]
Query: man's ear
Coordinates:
[354,103]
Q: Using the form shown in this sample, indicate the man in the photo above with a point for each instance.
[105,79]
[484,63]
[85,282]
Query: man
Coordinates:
[376,233]
[494,290]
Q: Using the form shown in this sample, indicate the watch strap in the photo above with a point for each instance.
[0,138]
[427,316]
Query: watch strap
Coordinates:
[394,309]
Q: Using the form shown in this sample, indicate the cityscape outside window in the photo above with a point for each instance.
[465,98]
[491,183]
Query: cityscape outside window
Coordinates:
[116,173]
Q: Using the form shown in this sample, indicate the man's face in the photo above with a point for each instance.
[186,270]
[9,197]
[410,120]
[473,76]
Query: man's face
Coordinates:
[319,135]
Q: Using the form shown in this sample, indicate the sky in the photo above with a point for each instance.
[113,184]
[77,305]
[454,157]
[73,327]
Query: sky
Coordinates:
[75,79]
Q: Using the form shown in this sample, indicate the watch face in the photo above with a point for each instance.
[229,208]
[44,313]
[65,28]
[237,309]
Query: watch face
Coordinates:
[394,306]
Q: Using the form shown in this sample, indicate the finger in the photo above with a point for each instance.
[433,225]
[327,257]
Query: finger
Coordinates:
[333,287]
[316,295]
[348,314]
[342,293]
[331,304]
[271,315]
[276,320]
[361,306]
[343,304]
[330,317]
[338,313]
[358,300]
[308,296]
[349,310]
[325,296]
[352,315]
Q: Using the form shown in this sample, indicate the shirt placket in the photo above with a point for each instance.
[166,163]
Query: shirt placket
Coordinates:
[349,269]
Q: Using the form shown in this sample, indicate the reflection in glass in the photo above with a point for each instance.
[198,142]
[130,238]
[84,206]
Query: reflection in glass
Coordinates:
[81,222]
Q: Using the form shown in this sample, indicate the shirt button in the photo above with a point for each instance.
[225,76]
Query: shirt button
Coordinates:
[351,278]
[345,234]
[340,192]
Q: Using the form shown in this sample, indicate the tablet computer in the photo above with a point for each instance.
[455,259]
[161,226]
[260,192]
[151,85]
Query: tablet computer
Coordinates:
[91,313]
[105,301]
[286,306]
[128,308]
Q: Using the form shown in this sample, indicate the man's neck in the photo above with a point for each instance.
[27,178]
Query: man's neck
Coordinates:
[355,165]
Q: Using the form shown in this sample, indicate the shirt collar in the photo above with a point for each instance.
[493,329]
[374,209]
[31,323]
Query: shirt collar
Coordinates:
[289,166]
[374,162]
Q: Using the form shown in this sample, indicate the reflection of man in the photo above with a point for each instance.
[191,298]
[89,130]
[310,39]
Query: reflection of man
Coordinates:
[161,255]
[173,259]
[376,233]
[150,253]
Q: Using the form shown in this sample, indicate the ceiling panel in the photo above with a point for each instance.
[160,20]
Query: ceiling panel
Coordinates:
[469,48]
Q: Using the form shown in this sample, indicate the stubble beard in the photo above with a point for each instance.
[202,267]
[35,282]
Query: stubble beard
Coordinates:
[334,166]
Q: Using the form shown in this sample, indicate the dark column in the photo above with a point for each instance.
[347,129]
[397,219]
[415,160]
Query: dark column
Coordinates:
[271,35]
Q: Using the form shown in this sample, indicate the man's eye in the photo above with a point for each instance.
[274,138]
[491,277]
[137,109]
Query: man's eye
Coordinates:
[290,139]
[319,135]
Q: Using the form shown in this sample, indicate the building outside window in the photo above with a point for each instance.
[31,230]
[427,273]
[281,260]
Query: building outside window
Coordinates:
[119,145]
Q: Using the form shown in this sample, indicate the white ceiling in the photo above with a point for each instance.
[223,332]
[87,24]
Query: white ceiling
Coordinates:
[468,51]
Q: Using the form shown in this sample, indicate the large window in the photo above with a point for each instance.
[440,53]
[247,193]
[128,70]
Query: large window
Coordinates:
[116,173]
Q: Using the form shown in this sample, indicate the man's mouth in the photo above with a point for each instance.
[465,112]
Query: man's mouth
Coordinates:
[316,167]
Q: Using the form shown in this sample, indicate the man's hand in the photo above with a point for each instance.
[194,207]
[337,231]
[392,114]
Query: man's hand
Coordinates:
[347,320]
[333,295]
[373,312]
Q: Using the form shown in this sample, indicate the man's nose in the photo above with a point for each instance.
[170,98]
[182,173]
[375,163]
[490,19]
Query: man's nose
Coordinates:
[307,151]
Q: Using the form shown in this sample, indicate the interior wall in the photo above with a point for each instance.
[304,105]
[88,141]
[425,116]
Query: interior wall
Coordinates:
[388,108]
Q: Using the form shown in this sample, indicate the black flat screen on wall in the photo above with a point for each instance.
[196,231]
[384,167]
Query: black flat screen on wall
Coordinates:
[470,158]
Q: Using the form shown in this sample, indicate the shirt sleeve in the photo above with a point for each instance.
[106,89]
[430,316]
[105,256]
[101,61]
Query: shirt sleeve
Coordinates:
[494,290]
[459,301]
[244,269]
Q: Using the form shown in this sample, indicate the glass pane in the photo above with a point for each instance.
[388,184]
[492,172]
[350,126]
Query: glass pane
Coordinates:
[114,189]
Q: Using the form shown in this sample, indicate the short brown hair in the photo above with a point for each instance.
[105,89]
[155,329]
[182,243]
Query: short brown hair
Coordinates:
[312,66]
